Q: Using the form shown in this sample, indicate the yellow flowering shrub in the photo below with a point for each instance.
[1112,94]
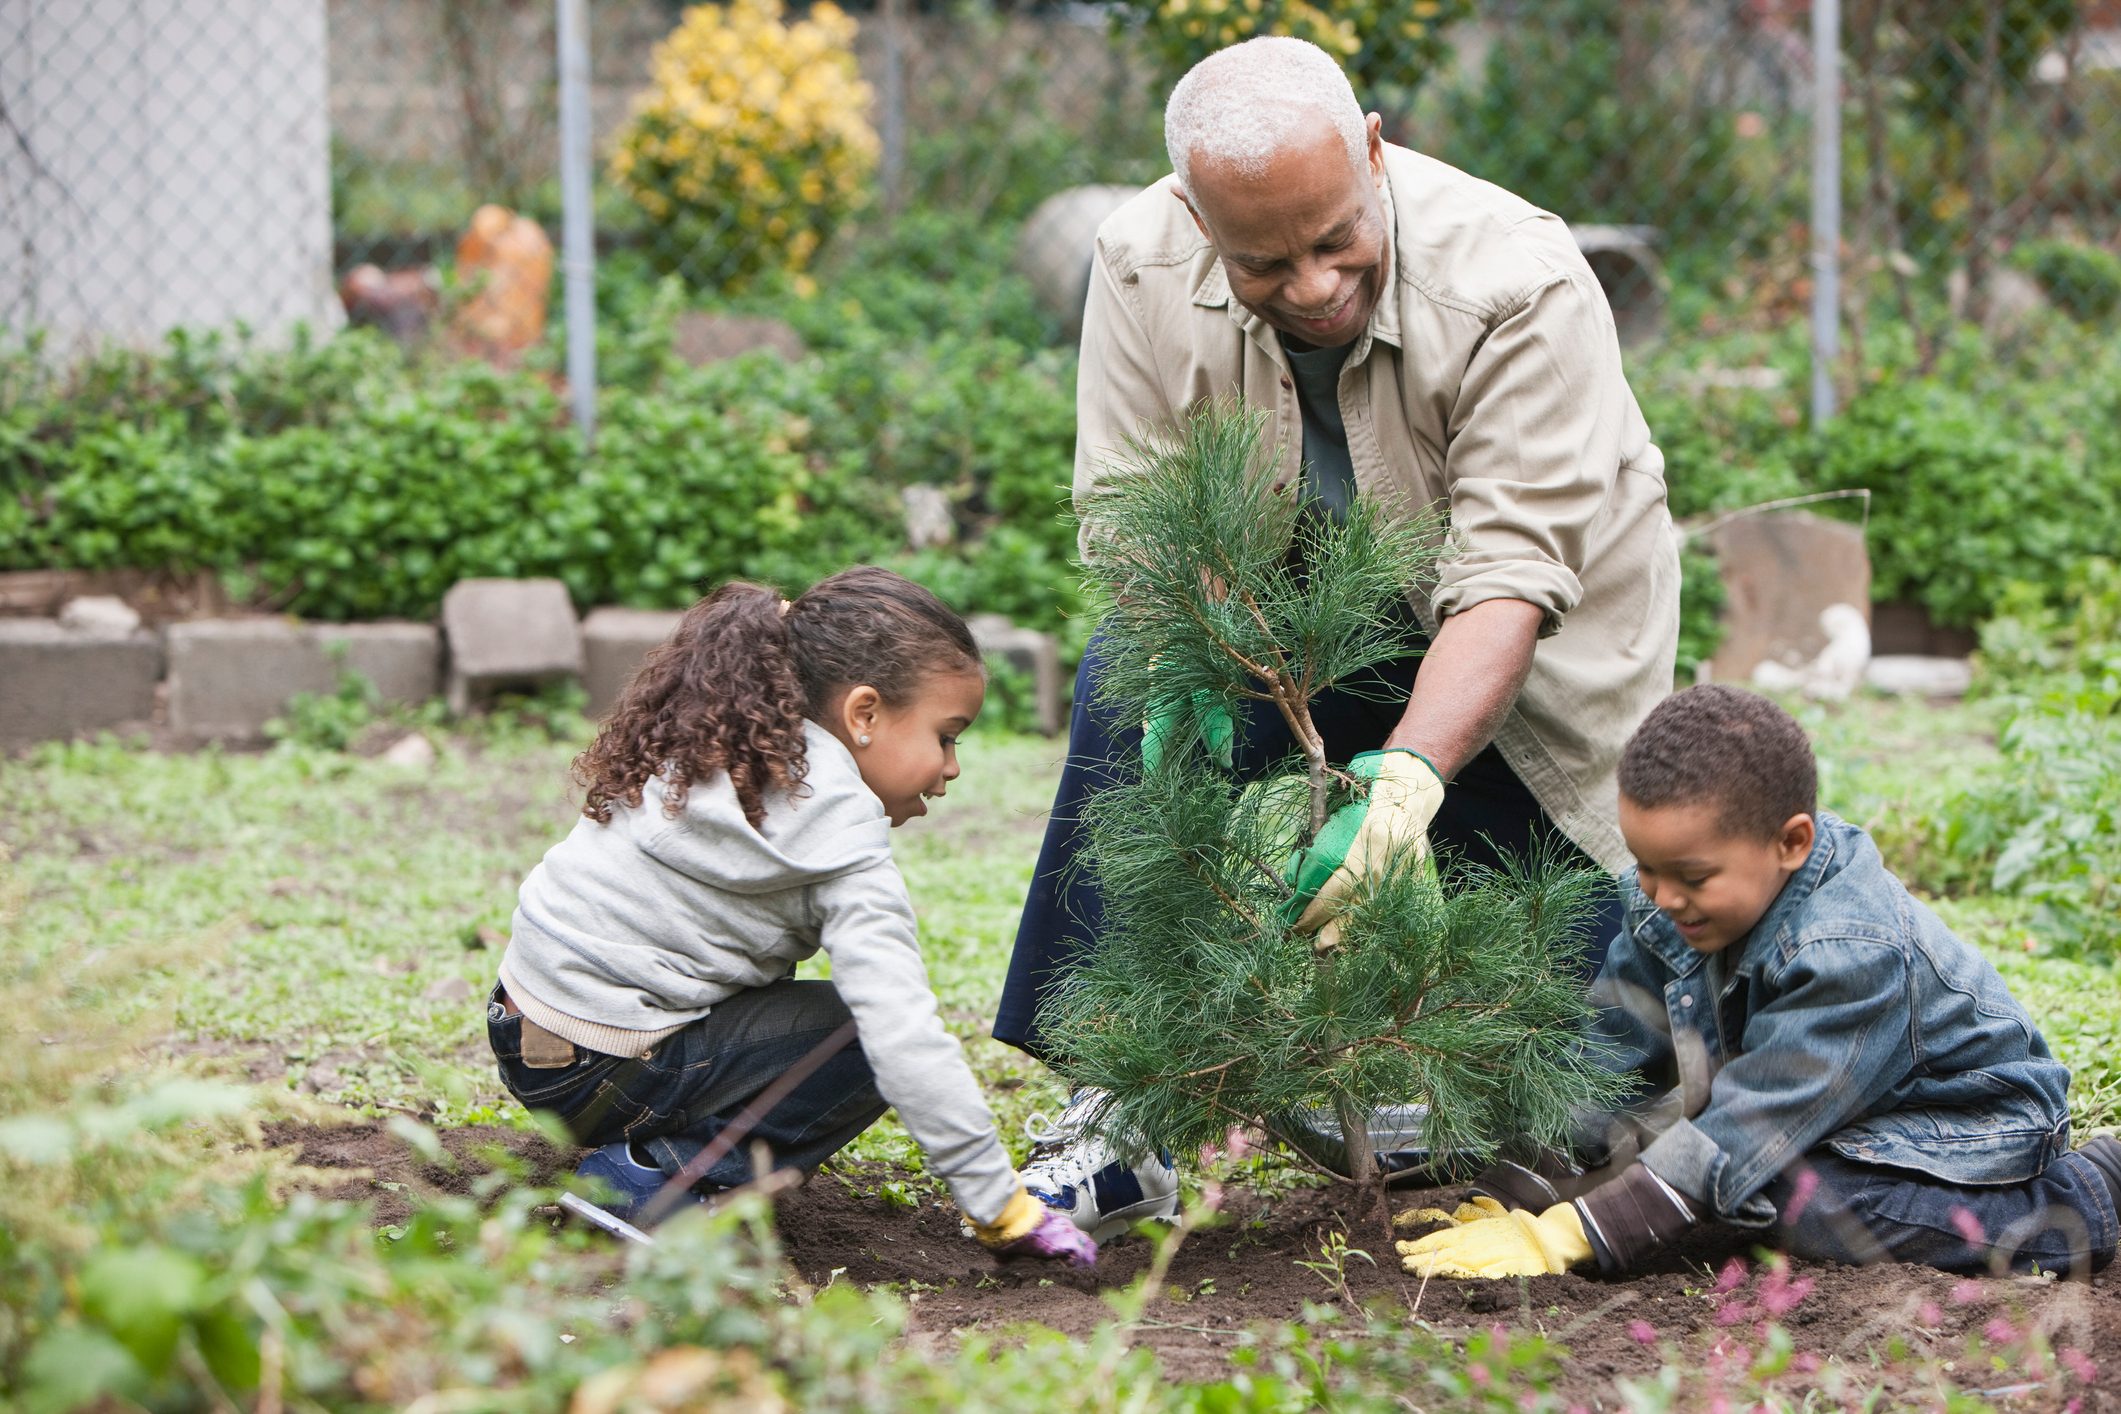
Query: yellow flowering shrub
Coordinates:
[1381,43]
[753,141]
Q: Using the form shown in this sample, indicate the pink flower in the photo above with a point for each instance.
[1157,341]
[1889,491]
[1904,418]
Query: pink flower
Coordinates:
[2000,1331]
[1805,1363]
[1238,1143]
[1780,1295]
[2080,1364]
[1731,1277]
[1642,1332]
[1966,1293]
[1801,1196]
[1479,1375]
[1211,1195]
[1930,1314]
[1730,1313]
[1968,1225]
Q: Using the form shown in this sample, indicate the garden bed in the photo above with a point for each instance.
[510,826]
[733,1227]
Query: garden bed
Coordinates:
[1901,1330]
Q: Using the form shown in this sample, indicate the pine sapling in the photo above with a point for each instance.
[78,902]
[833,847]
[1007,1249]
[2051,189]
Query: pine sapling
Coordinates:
[1202,1005]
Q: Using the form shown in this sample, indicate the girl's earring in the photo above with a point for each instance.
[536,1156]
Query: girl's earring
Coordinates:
[862,740]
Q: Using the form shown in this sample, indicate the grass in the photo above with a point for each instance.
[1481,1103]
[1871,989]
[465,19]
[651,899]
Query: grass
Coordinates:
[327,925]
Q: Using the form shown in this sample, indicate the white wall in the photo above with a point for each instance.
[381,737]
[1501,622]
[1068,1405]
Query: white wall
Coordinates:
[168,164]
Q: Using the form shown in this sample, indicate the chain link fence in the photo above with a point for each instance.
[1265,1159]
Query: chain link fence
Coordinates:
[209,162]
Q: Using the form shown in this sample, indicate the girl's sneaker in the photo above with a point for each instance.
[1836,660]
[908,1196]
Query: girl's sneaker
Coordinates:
[1083,1177]
[630,1181]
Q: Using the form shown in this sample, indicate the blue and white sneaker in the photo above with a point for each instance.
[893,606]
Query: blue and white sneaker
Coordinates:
[1081,1175]
[630,1182]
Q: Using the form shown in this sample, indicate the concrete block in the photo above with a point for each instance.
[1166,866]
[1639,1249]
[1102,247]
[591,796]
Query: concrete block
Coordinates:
[1032,653]
[614,641]
[1782,570]
[229,677]
[508,635]
[56,684]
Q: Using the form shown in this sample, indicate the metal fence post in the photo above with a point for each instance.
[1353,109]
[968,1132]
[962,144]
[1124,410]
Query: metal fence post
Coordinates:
[1826,204]
[578,234]
[892,176]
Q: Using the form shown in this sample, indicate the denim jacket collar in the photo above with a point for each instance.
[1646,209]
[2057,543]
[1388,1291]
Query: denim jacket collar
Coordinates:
[1655,931]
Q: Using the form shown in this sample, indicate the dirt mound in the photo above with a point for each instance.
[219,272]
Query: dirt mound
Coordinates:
[1246,1271]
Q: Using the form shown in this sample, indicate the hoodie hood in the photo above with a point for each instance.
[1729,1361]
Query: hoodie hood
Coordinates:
[831,824]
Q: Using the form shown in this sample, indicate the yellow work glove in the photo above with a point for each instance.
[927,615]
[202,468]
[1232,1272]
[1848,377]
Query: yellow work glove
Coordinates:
[1473,1210]
[1515,1245]
[1404,793]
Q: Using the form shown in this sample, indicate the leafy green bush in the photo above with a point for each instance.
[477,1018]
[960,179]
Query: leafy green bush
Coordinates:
[1968,494]
[2084,281]
[2046,826]
[345,483]
[1381,43]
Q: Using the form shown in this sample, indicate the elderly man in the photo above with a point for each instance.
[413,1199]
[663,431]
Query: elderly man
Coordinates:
[1420,335]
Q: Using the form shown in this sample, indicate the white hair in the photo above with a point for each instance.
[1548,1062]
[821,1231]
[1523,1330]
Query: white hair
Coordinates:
[1241,106]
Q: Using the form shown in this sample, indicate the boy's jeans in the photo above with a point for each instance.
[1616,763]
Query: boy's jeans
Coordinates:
[2063,1220]
[695,1082]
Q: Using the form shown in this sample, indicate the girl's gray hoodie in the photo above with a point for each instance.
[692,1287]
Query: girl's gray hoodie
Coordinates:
[642,925]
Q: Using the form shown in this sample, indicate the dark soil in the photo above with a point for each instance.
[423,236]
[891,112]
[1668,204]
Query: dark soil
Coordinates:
[1245,1271]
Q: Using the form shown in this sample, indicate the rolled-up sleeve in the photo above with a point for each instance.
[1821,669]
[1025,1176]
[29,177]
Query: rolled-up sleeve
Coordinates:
[1534,450]
[1117,395]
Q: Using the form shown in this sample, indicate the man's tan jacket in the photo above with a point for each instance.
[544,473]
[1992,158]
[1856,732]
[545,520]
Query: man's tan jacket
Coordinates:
[1488,382]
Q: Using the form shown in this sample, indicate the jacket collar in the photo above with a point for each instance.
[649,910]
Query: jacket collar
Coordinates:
[1213,292]
[1655,932]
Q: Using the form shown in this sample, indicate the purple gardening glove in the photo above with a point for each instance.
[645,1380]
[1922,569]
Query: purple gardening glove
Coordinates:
[1056,1238]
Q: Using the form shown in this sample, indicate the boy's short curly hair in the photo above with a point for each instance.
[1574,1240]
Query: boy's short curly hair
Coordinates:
[1718,745]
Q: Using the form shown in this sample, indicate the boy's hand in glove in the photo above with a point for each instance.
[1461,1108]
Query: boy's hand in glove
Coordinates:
[1028,1228]
[1517,1244]
[1405,791]
[1620,1222]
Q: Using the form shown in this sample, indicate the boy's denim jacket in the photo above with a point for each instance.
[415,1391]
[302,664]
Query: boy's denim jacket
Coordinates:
[1852,1018]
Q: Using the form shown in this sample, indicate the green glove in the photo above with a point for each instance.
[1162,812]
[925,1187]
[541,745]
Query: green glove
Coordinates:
[1405,791]
[1517,1244]
[1217,730]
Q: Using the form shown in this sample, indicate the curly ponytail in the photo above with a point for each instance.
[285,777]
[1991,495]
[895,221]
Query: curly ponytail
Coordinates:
[730,690]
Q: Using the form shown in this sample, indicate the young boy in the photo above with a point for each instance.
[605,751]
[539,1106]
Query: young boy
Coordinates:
[1812,1050]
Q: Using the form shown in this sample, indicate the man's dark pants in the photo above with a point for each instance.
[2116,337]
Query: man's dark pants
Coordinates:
[1487,813]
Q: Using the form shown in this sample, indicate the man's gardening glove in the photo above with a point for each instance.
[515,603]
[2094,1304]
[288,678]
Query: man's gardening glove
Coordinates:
[1028,1228]
[1404,792]
[1160,731]
[1517,1244]
[1619,1223]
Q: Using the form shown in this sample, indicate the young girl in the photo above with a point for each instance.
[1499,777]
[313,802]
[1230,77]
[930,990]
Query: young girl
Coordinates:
[739,799]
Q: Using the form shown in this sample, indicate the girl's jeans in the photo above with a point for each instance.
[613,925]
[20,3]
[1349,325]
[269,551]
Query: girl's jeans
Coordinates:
[676,1100]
